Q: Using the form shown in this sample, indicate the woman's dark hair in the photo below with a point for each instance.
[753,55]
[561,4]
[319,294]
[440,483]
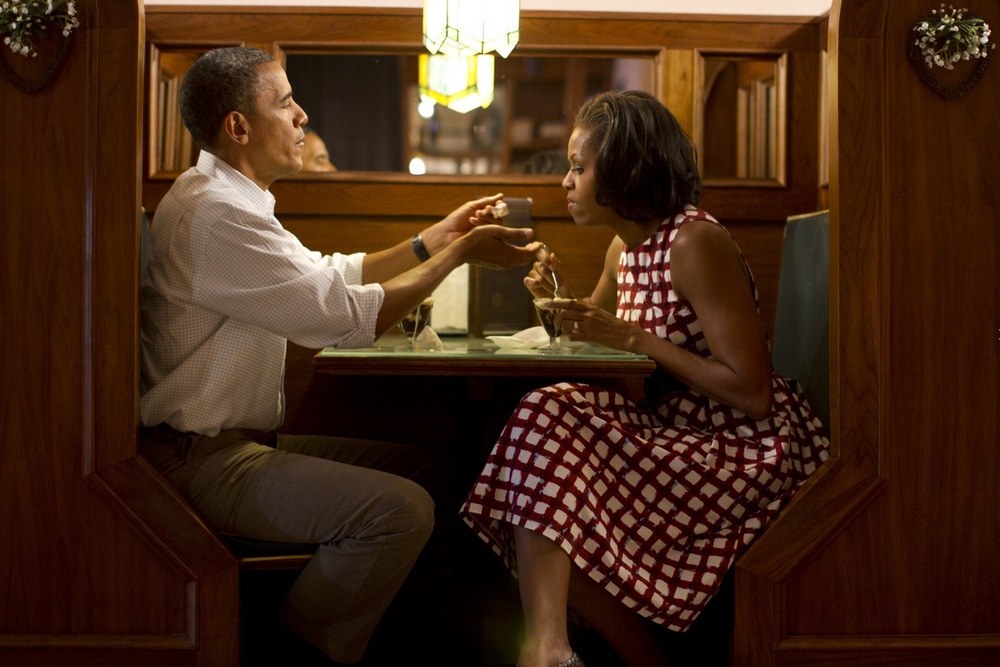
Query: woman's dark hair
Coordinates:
[221,81]
[645,166]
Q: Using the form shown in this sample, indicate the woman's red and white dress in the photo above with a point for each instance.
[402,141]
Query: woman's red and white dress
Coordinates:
[653,500]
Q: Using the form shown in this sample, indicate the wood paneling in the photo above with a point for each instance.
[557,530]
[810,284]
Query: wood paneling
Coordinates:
[101,562]
[888,557]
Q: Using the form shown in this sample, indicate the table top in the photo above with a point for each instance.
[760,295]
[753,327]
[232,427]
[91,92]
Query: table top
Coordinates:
[483,358]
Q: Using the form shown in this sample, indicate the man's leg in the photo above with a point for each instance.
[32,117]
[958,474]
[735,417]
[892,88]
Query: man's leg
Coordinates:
[371,525]
[332,557]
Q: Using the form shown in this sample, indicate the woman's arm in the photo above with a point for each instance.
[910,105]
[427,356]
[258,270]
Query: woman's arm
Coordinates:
[707,272]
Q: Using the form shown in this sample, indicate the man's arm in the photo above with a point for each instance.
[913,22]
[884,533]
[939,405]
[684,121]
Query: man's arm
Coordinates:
[459,238]
[385,264]
[404,291]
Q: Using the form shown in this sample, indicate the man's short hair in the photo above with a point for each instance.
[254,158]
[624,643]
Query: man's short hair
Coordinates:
[219,82]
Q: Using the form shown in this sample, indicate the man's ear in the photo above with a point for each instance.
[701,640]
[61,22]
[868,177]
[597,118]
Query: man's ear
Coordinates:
[236,127]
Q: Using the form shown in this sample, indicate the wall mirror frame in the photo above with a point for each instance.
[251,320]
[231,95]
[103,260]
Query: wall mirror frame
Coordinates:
[169,150]
[523,131]
[746,90]
[740,117]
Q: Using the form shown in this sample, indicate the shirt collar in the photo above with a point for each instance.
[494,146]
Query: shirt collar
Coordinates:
[215,167]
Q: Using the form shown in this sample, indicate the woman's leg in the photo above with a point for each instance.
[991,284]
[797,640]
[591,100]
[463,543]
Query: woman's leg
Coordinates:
[626,631]
[543,572]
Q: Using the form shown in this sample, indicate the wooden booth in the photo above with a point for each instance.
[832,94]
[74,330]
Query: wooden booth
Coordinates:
[887,557]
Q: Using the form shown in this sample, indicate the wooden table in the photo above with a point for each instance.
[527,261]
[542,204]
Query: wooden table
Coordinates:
[470,384]
[477,357]
[454,403]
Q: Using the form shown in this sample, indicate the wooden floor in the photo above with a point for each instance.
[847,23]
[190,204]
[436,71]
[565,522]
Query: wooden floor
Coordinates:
[459,608]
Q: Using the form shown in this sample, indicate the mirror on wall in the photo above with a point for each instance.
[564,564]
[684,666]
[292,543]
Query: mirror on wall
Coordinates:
[366,108]
[524,129]
[740,117]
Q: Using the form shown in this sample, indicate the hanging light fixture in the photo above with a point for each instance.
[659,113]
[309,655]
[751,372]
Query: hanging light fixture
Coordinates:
[461,84]
[467,27]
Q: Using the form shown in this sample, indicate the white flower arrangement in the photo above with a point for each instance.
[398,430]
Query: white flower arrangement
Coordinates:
[22,21]
[950,35]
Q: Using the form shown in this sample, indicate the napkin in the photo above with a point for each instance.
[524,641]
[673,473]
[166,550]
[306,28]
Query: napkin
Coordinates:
[527,339]
[428,339]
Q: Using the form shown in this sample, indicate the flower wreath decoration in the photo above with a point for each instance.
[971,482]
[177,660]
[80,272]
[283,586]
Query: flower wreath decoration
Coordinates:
[946,37]
[24,21]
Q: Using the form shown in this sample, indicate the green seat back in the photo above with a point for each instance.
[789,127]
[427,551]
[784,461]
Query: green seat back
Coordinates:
[801,346]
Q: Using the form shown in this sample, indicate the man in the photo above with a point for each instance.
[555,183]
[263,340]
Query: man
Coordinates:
[315,156]
[224,288]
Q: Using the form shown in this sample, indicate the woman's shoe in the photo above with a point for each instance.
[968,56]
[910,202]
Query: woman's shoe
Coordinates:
[574,661]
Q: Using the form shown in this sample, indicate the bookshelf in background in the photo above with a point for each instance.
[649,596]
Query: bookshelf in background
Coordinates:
[171,146]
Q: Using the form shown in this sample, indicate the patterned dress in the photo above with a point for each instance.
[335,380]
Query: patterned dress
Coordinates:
[654,500]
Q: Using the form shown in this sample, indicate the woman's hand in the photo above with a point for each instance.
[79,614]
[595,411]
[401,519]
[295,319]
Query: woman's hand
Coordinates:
[545,274]
[582,321]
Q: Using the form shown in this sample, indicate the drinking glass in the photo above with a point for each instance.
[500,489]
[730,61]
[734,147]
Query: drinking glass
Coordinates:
[414,322]
[547,316]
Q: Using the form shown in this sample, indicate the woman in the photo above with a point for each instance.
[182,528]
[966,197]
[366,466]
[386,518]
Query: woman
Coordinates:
[624,510]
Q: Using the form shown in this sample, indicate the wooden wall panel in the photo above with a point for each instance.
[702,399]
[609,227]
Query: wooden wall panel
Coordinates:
[100,562]
[896,540]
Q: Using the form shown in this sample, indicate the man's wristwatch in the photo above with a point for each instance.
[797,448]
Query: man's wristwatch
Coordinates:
[419,249]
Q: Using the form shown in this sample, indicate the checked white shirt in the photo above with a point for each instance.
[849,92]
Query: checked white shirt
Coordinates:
[225,286]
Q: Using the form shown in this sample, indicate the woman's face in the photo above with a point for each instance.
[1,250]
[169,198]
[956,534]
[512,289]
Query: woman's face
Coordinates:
[580,184]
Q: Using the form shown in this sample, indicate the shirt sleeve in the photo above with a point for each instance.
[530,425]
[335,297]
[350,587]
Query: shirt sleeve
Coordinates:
[251,269]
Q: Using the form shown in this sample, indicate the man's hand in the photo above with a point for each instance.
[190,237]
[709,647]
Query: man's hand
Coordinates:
[459,222]
[491,246]
[485,242]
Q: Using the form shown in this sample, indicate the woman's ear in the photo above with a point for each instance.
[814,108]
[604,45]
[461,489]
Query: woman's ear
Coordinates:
[236,127]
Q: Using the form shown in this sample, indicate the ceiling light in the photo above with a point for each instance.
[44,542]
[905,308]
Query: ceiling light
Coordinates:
[467,27]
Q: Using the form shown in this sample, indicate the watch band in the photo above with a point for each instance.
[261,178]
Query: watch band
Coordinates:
[417,243]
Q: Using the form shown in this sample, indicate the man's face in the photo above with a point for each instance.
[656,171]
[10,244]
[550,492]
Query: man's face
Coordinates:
[276,134]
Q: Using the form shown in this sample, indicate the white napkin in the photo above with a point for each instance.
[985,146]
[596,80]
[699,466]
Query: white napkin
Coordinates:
[428,339]
[527,339]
